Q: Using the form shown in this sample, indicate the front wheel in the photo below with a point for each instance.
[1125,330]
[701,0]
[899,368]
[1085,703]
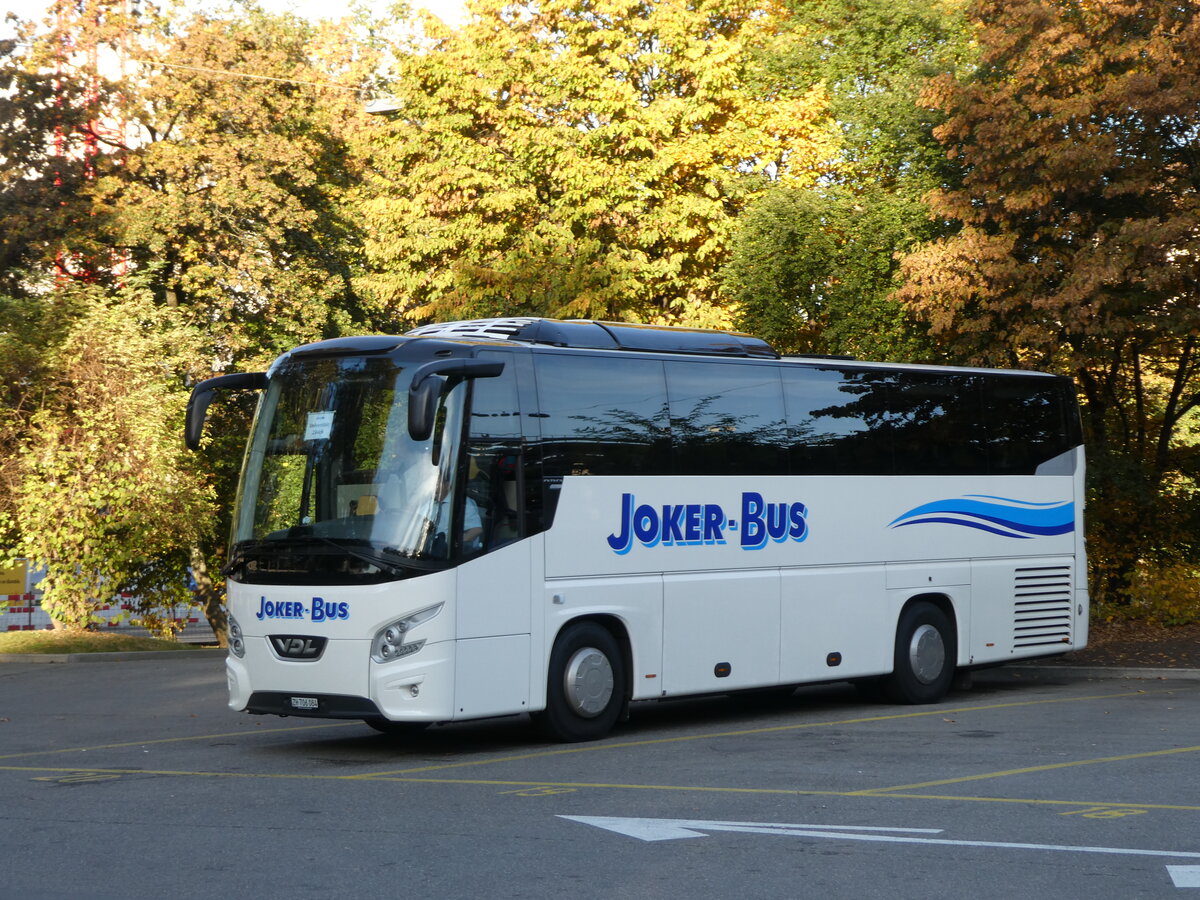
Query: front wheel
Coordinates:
[926,650]
[586,684]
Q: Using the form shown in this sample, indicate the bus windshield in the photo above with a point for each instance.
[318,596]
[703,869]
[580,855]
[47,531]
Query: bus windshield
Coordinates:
[333,482]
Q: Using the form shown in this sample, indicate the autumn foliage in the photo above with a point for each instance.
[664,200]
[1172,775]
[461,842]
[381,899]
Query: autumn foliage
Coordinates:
[1004,182]
[1079,247]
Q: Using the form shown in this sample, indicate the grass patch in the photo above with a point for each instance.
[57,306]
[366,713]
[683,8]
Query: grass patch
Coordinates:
[80,642]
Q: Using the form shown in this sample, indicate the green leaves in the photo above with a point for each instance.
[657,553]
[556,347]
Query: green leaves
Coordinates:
[201,229]
[103,485]
[577,160]
[812,272]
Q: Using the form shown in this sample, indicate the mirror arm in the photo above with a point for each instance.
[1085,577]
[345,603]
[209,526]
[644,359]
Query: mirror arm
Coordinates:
[202,396]
[426,387]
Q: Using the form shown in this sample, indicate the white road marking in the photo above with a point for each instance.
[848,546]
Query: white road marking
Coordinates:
[1185,876]
[674,829]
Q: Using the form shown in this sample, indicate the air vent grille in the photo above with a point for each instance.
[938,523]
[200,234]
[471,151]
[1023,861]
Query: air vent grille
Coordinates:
[1043,597]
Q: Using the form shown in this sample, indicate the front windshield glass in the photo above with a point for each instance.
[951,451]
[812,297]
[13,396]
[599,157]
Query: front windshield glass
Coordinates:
[333,483]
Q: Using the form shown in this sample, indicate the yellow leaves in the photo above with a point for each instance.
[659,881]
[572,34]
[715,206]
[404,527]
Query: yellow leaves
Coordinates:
[600,122]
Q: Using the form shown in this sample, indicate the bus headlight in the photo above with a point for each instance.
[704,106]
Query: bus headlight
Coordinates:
[237,646]
[390,644]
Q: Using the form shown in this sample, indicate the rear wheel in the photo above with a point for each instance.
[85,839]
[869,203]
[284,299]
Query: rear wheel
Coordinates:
[586,685]
[926,650]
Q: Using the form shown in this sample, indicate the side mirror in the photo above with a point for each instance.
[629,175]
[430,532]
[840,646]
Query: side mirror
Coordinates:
[427,385]
[202,396]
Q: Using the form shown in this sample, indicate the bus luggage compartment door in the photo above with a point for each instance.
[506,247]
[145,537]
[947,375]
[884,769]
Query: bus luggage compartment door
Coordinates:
[721,631]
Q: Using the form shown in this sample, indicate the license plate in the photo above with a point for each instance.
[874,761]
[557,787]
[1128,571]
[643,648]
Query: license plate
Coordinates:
[304,703]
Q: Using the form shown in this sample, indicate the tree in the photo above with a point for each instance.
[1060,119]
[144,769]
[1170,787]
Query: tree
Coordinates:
[813,268]
[578,158]
[202,231]
[232,199]
[103,485]
[812,271]
[1080,242]
[49,143]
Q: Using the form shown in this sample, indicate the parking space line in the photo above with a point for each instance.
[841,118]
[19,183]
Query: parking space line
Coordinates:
[797,792]
[590,785]
[598,746]
[1029,770]
[1031,801]
[710,735]
[177,740]
[183,773]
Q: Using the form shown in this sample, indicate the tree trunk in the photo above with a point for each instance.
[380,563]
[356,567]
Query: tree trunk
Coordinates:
[210,596]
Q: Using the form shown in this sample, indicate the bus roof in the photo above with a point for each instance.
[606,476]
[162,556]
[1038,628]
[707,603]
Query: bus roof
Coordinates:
[587,334]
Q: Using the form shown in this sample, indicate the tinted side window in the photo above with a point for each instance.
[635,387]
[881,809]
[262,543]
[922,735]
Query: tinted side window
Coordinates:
[602,415]
[836,421]
[726,419]
[1032,420]
[937,425]
[493,477]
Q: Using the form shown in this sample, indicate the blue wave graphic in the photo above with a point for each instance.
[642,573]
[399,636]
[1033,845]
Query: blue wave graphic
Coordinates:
[997,515]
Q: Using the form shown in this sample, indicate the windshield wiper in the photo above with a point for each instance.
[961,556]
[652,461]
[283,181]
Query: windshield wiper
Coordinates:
[243,552]
[387,559]
[375,559]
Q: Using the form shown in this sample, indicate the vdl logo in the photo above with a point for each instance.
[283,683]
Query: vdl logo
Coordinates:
[706,524]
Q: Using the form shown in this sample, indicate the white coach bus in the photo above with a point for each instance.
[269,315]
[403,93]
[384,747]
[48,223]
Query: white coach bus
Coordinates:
[560,517]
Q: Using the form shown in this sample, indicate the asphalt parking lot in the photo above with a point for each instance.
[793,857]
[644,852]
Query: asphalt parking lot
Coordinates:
[133,779]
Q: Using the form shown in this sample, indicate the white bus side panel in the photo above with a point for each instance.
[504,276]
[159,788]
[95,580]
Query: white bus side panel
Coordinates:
[726,618]
[490,676]
[494,592]
[850,520]
[867,546]
[494,611]
[840,609]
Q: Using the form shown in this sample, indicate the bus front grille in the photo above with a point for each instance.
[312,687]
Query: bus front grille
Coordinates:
[1042,606]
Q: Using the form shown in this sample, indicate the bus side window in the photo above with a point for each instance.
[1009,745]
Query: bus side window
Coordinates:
[494,461]
[1029,419]
[937,425]
[603,416]
[727,419]
[838,421]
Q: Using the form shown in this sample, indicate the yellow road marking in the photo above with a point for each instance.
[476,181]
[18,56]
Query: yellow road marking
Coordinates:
[587,748]
[577,785]
[1029,770]
[710,735]
[1031,801]
[183,773]
[178,740]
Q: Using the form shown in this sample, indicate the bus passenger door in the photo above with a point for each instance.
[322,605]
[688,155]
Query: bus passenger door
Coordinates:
[495,577]
[491,662]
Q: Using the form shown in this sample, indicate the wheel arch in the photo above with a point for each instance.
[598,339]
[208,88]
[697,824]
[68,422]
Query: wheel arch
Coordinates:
[943,602]
[615,626]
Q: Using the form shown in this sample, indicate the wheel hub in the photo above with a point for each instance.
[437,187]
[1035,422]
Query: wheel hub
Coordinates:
[588,682]
[927,654]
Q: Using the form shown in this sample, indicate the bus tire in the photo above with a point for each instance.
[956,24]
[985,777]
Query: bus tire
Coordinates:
[586,684]
[396,729]
[926,650]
